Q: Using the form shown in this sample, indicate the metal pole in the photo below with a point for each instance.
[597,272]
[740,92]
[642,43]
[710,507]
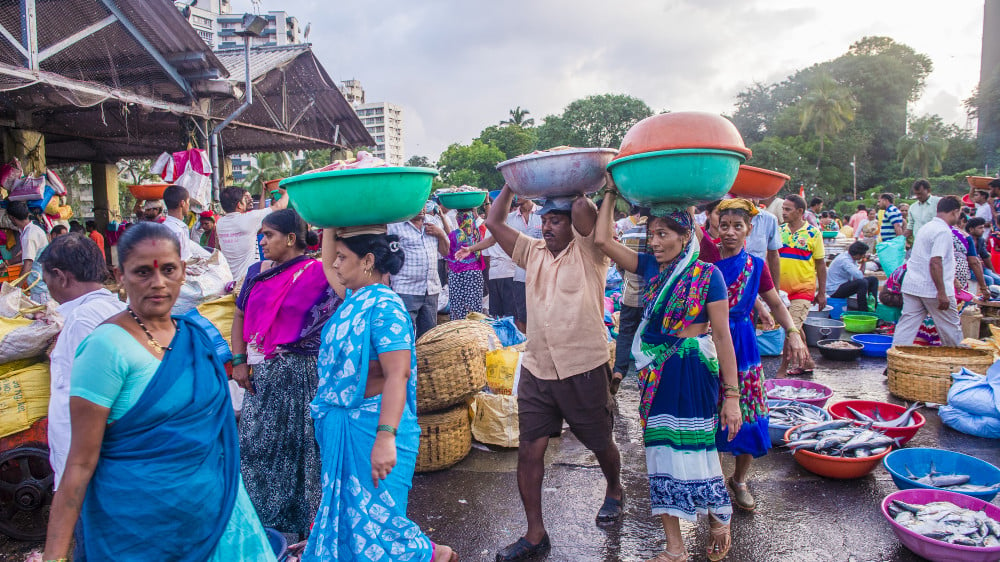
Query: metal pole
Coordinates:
[217,131]
[854,172]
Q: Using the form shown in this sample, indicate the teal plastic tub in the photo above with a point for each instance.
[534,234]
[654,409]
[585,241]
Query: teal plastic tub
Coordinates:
[360,197]
[683,176]
[462,199]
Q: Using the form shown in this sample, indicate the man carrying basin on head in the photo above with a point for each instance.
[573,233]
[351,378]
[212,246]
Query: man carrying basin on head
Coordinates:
[565,369]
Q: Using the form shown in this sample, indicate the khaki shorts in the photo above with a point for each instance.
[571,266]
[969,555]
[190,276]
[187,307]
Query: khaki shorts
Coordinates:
[584,401]
[799,309]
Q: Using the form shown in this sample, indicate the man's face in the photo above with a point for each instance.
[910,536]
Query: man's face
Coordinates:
[246,204]
[952,217]
[978,198]
[525,205]
[921,193]
[557,231]
[977,231]
[790,212]
[883,204]
[151,215]
[207,225]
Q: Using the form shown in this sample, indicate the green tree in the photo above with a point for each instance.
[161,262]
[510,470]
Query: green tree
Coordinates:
[473,164]
[512,140]
[594,121]
[419,162]
[517,117]
[924,147]
[311,160]
[269,166]
[825,110]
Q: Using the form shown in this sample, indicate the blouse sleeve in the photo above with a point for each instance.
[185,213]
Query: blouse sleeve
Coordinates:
[99,369]
[392,329]
[766,282]
[717,290]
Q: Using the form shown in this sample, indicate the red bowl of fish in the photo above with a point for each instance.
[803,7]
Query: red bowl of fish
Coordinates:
[841,468]
[933,549]
[875,410]
[771,386]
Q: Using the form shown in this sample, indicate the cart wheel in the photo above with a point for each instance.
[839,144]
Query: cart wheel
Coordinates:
[25,493]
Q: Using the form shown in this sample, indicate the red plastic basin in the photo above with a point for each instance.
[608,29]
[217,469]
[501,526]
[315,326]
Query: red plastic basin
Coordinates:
[841,468]
[682,129]
[887,410]
[757,183]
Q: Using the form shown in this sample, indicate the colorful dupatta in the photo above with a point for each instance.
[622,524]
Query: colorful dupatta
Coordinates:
[467,234]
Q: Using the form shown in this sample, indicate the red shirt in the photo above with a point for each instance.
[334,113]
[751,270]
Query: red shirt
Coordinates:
[98,238]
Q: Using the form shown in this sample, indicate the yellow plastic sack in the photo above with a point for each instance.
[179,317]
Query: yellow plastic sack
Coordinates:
[502,366]
[24,398]
[220,313]
[494,420]
[53,207]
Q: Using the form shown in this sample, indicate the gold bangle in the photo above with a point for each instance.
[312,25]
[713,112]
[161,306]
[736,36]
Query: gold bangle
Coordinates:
[793,331]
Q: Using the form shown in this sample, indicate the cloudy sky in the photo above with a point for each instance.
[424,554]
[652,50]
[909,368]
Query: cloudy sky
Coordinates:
[456,66]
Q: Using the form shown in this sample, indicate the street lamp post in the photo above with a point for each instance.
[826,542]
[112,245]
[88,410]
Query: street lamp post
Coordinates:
[854,172]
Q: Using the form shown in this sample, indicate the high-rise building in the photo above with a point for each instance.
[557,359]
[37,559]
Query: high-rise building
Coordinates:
[281,30]
[203,18]
[382,119]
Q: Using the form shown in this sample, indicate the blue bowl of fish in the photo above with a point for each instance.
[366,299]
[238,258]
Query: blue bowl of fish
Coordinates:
[875,345]
[785,414]
[945,526]
[938,469]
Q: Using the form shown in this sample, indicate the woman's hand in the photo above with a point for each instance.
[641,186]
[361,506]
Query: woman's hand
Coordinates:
[766,320]
[798,352]
[241,374]
[730,417]
[462,254]
[383,456]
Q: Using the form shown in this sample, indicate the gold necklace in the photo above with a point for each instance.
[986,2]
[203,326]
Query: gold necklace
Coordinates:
[152,341]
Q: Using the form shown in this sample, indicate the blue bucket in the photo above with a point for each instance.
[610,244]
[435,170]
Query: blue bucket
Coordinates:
[875,345]
[839,306]
[918,461]
[278,542]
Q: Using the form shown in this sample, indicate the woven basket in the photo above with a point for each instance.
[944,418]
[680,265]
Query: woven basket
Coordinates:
[445,438]
[451,364]
[924,373]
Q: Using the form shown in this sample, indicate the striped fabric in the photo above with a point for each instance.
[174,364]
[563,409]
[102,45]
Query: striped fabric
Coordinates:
[890,218]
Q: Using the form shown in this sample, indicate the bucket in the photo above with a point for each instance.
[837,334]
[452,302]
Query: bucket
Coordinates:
[815,312]
[838,306]
[822,329]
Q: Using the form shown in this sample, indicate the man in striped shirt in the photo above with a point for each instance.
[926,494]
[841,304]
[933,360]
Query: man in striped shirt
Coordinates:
[892,219]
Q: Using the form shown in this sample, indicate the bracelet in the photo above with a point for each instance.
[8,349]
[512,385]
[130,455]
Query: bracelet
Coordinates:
[731,387]
[239,359]
[386,428]
[793,331]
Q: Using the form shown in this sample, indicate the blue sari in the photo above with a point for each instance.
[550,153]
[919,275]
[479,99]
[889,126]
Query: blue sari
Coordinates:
[168,475]
[357,521]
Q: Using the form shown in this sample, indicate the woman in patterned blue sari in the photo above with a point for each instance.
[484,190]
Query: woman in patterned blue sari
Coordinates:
[365,410]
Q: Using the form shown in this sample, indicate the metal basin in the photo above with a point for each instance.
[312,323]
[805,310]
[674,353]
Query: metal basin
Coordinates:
[557,174]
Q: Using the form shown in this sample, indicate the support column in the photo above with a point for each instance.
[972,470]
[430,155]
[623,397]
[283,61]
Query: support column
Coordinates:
[28,147]
[104,178]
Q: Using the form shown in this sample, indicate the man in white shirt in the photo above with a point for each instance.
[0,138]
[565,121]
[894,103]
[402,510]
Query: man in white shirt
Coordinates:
[74,270]
[418,283]
[524,220]
[237,229]
[33,241]
[764,241]
[984,210]
[929,284]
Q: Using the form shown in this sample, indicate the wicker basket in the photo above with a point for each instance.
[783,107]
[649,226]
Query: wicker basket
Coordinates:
[924,373]
[451,364]
[445,438]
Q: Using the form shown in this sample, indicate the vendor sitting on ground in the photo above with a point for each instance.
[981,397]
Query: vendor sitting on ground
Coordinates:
[845,277]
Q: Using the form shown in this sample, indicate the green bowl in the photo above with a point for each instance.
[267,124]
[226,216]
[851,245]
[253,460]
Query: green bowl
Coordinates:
[360,197]
[462,199]
[830,233]
[860,322]
[680,176]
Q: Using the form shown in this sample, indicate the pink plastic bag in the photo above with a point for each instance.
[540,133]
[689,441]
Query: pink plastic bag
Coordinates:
[56,183]
[31,188]
[9,173]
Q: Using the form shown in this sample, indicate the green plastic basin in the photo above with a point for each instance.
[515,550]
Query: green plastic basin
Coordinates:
[830,233]
[462,199]
[360,197]
[860,322]
[683,176]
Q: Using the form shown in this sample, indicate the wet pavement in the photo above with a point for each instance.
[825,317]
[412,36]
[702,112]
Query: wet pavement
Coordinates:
[475,507]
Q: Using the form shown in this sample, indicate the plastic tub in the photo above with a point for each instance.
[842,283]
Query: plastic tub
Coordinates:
[875,345]
[918,461]
[859,323]
[757,183]
[462,200]
[828,234]
[838,307]
[836,354]
[979,182]
[771,383]
[887,410]
[841,468]
[816,329]
[148,191]
[683,129]
[557,173]
[815,312]
[777,432]
[676,177]
[934,549]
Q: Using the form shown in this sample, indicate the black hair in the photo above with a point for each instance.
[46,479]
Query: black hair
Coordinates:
[975,222]
[921,184]
[824,215]
[742,213]
[815,201]
[287,221]
[861,207]
[90,225]
[858,249]
[18,210]
[76,255]
[670,223]
[994,183]
[230,198]
[887,197]
[142,232]
[983,193]
[634,210]
[389,256]
[710,207]
[174,195]
[76,227]
[58,230]
[799,202]
[948,204]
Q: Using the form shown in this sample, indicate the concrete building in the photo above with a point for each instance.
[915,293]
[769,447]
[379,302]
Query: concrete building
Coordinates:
[203,17]
[383,120]
[281,30]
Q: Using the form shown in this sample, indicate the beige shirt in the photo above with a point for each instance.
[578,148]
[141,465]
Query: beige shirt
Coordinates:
[565,302]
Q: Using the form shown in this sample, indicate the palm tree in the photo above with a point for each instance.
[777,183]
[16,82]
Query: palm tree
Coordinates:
[826,109]
[311,160]
[923,148]
[517,117]
[270,166]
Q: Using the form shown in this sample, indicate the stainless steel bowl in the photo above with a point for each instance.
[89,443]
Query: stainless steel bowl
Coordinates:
[557,174]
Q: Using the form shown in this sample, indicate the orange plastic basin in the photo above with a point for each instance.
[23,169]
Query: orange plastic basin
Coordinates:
[683,129]
[757,183]
[979,182]
[148,191]
[842,468]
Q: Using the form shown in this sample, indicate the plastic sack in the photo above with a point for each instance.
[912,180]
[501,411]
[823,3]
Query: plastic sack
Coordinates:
[960,420]
[502,369]
[206,279]
[891,254]
[31,188]
[219,343]
[494,420]
[56,182]
[976,394]
[52,206]
[613,279]
[220,313]
[24,398]
[199,187]
[23,339]
[164,167]
[771,343]
[507,331]
[9,173]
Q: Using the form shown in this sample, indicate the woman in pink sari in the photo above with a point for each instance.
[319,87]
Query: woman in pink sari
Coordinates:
[281,310]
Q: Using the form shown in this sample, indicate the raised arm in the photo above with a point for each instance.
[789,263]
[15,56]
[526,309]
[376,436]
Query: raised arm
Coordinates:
[584,215]
[625,257]
[496,221]
[329,256]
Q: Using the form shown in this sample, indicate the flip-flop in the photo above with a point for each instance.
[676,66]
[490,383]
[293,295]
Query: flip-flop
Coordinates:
[799,372]
[611,511]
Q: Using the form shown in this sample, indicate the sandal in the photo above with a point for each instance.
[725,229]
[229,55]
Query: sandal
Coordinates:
[523,550]
[799,372]
[616,381]
[715,552]
[611,511]
[667,556]
[741,494]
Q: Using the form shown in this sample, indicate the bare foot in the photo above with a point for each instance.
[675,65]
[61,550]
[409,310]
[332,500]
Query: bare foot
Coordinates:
[444,554]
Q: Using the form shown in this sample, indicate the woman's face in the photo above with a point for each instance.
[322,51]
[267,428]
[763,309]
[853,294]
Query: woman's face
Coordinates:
[352,270]
[733,231]
[152,276]
[276,245]
[664,242]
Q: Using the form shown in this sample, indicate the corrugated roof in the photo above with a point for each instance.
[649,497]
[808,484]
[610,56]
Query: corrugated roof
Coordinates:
[262,59]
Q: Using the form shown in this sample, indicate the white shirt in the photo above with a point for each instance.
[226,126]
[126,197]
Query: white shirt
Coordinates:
[81,315]
[419,275]
[532,228]
[237,236]
[985,212]
[33,241]
[765,235]
[934,239]
[501,266]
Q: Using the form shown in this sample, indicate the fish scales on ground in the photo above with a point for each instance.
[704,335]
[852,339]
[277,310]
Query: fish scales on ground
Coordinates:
[954,482]
[840,438]
[785,392]
[947,522]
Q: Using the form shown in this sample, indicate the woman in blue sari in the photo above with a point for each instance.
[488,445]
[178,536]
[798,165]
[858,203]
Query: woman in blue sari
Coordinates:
[748,277]
[365,410]
[153,469]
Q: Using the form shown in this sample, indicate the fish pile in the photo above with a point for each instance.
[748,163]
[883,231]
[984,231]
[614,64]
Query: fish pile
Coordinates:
[840,344]
[904,420]
[792,414]
[945,521]
[784,392]
[840,438]
[953,482]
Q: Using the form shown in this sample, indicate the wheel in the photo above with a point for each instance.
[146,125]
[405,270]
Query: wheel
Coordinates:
[25,492]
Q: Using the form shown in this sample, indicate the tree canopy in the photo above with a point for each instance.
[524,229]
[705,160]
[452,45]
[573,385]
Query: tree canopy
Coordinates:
[594,121]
